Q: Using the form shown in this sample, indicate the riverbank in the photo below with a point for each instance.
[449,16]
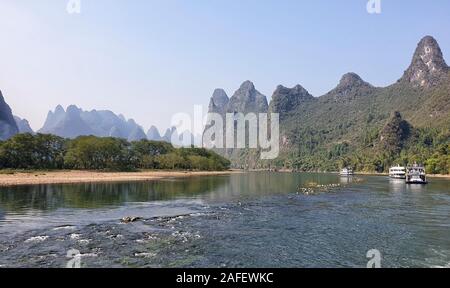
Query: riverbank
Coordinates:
[14,178]
[17,178]
[439,176]
[387,174]
[356,173]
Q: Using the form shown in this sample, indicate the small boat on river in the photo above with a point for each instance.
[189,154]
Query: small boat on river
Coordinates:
[397,172]
[346,172]
[416,175]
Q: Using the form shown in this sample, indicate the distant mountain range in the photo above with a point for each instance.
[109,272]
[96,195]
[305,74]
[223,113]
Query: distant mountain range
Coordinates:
[74,122]
[23,125]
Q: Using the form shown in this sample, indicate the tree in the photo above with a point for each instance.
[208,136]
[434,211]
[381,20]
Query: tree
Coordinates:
[41,151]
[89,152]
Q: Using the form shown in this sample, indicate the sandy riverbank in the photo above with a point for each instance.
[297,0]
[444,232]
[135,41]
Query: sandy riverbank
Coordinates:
[70,177]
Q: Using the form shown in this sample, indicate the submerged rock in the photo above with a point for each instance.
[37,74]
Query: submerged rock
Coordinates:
[314,188]
[127,220]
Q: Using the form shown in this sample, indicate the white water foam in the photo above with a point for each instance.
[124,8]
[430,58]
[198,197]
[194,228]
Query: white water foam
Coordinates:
[36,239]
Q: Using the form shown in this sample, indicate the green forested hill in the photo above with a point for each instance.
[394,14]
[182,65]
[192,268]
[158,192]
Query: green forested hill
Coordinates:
[350,124]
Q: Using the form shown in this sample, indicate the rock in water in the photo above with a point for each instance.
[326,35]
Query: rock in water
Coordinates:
[127,220]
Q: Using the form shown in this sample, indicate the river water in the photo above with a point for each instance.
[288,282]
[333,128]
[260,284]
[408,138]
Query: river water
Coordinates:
[256,219]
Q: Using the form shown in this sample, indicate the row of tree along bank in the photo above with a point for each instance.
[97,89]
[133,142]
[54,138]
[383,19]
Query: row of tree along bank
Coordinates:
[42,151]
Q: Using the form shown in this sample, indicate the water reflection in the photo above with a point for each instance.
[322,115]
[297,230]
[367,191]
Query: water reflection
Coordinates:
[236,187]
[101,195]
[416,188]
[396,185]
[236,218]
[260,184]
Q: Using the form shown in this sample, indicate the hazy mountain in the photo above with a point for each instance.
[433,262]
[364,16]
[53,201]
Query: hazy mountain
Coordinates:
[23,125]
[153,134]
[67,124]
[136,132]
[169,134]
[185,139]
[219,102]
[75,122]
[247,99]
[8,126]
[53,118]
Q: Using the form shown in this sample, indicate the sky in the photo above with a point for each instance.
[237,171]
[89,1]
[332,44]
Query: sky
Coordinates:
[150,59]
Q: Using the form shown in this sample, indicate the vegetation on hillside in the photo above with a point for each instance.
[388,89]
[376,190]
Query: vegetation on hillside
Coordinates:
[41,151]
[373,150]
[352,129]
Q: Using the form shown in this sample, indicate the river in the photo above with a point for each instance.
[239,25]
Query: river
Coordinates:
[255,219]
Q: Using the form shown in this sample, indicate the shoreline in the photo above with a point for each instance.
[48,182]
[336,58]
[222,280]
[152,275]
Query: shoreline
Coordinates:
[24,178]
[356,173]
[438,176]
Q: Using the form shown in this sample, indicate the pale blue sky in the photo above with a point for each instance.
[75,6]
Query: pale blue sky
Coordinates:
[150,59]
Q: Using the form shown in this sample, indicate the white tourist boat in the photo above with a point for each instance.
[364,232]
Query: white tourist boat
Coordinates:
[347,172]
[416,175]
[397,172]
